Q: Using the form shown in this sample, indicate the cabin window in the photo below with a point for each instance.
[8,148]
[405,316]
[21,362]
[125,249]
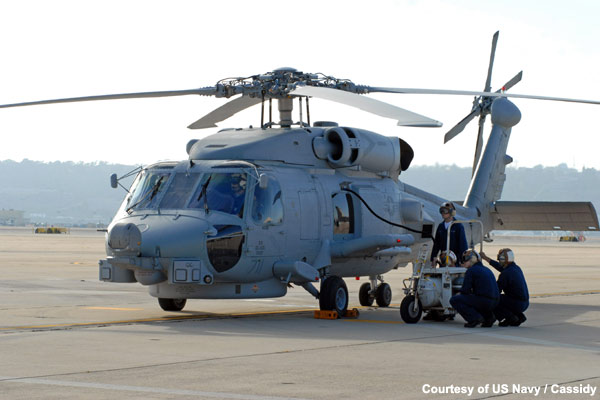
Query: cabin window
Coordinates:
[267,208]
[343,214]
[223,192]
[146,190]
[225,248]
[180,190]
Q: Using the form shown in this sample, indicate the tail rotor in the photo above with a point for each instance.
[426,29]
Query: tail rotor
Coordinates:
[482,106]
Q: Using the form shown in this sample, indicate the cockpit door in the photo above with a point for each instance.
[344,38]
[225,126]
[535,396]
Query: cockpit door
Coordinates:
[309,215]
[265,220]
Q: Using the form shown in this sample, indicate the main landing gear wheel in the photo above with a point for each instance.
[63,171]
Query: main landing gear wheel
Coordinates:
[408,312]
[384,295]
[172,304]
[364,297]
[334,295]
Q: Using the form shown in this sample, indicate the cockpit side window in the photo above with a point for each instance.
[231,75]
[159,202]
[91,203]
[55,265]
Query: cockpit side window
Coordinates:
[147,188]
[180,190]
[223,192]
[343,214]
[267,208]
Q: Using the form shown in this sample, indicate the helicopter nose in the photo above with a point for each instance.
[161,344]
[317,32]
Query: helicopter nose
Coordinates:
[125,238]
[165,236]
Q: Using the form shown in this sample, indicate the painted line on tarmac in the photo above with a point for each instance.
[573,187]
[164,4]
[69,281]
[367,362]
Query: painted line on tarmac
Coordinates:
[142,389]
[113,308]
[154,319]
[540,342]
[231,315]
[372,321]
[556,294]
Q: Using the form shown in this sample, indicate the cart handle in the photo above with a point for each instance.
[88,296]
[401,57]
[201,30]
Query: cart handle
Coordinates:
[470,221]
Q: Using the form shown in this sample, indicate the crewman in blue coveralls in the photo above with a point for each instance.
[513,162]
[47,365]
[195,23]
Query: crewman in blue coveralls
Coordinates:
[479,294]
[458,240]
[515,299]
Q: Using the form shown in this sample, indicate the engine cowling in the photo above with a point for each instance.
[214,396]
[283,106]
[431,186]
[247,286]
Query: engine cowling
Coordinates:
[348,147]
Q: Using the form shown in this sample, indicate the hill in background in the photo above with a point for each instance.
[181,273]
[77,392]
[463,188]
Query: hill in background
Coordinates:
[70,193]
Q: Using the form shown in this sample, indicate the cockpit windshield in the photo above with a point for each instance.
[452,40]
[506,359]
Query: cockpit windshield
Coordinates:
[146,189]
[224,192]
[165,189]
[179,191]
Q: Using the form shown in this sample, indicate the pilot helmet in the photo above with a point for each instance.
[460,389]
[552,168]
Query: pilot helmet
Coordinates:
[471,255]
[506,256]
[451,258]
[448,207]
[238,179]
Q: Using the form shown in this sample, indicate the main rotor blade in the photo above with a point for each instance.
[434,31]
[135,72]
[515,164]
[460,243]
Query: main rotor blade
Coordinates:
[515,79]
[458,128]
[472,93]
[404,117]
[207,91]
[488,81]
[225,111]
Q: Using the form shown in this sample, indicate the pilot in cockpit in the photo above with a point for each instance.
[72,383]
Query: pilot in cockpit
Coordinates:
[238,192]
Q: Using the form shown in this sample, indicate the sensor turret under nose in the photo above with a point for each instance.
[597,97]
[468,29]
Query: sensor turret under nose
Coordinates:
[125,238]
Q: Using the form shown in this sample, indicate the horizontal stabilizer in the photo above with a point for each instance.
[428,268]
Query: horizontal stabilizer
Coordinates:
[544,216]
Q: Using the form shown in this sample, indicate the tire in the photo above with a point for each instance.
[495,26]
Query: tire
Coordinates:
[172,304]
[384,295]
[334,295]
[406,310]
[364,297]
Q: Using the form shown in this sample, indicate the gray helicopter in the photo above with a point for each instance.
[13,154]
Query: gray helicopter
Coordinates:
[253,211]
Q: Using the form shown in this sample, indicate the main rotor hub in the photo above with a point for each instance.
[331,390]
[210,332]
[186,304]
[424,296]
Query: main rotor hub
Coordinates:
[280,82]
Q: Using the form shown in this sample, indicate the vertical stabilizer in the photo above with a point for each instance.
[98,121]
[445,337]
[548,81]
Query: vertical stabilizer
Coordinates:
[488,180]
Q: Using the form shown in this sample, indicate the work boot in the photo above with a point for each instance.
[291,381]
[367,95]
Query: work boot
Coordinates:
[428,316]
[488,323]
[510,321]
[520,319]
[472,324]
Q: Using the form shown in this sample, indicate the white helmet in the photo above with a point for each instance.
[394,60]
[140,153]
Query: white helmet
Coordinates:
[471,255]
[448,207]
[506,256]
[450,255]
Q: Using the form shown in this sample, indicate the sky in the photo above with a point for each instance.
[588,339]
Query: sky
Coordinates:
[64,49]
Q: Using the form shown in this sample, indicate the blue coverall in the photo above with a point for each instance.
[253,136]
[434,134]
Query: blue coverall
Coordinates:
[515,299]
[458,240]
[478,296]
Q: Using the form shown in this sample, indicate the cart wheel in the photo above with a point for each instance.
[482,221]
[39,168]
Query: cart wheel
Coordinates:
[384,295]
[364,297]
[172,304]
[407,311]
[334,295]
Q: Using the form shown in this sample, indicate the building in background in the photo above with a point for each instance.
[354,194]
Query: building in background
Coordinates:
[12,218]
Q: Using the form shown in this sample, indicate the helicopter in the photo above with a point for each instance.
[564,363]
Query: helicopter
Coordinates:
[253,211]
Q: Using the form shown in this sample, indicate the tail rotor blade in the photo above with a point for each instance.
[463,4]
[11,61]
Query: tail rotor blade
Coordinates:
[479,143]
[515,79]
[488,81]
[458,128]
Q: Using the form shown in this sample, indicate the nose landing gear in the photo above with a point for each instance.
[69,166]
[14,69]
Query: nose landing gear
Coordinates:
[172,304]
[382,293]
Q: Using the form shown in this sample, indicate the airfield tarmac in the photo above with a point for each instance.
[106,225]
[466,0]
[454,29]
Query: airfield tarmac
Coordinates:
[66,335]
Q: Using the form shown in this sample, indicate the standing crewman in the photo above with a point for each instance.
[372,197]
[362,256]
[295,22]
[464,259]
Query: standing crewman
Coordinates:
[458,239]
[515,299]
[479,293]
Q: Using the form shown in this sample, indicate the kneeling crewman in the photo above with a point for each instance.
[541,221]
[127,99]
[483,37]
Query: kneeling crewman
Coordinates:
[479,293]
[515,299]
